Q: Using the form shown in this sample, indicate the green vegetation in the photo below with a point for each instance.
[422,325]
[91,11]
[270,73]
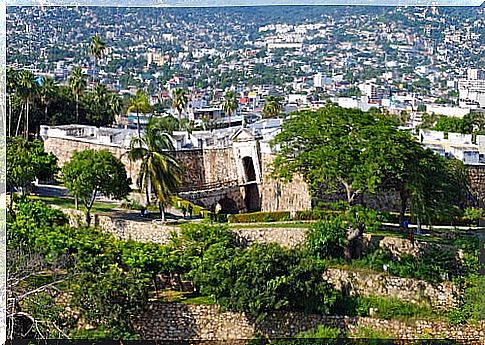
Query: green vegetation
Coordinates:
[27,161]
[90,172]
[159,171]
[384,308]
[256,217]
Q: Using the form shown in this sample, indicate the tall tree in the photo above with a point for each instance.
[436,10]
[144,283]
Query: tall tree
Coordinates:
[116,104]
[97,102]
[91,172]
[272,106]
[159,170]
[139,104]
[12,85]
[28,89]
[230,104]
[48,93]
[97,49]
[77,84]
[179,102]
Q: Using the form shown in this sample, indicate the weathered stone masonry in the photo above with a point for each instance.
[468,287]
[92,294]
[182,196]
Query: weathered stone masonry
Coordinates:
[207,322]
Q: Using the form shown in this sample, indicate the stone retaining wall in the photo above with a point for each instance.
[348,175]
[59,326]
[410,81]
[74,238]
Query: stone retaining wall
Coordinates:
[207,322]
[440,296]
[153,231]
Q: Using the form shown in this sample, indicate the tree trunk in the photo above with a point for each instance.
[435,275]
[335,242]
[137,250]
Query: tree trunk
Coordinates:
[162,211]
[148,189]
[138,124]
[76,202]
[77,108]
[88,217]
[27,121]
[18,123]
[404,202]
[9,132]
[355,246]
[180,120]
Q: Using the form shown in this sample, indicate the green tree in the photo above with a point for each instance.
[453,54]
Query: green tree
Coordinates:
[77,84]
[453,125]
[179,102]
[48,93]
[139,104]
[91,172]
[26,162]
[263,278]
[159,171]
[230,104]
[272,106]
[28,90]
[97,48]
[99,110]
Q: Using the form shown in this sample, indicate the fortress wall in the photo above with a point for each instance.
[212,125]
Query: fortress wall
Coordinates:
[278,196]
[175,321]
[219,165]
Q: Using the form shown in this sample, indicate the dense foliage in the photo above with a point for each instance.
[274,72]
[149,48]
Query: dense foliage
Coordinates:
[263,278]
[92,172]
[28,161]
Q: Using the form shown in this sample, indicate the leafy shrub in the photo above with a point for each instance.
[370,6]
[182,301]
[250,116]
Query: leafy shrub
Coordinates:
[260,217]
[189,245]
[327,239]
[472,215]
[385,308]
[322,331]
[129,204]
[263,278]
[313,214]
[471,306]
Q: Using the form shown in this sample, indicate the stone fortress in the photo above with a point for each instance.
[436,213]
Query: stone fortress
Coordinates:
[233,166]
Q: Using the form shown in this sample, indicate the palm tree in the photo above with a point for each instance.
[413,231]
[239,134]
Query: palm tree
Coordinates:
[48,92]
[77,84]
[230,104]
[116,104]
[96,49]
[139,104]
[179,102]
[12,86]
[159,171]
[272,106]
[27,88]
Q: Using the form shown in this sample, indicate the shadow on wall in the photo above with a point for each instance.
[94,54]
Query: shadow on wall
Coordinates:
[168,322]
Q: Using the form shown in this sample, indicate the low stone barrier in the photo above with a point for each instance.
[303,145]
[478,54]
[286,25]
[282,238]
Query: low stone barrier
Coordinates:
[173,321]
[441,296]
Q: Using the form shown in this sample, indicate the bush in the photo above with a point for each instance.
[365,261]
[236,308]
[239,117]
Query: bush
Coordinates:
[385,308]
[260,217]
[263,278]
[327,239]
[320,332]
[314,214]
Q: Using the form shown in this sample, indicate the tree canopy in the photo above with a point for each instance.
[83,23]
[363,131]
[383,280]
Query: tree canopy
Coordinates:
[91,172]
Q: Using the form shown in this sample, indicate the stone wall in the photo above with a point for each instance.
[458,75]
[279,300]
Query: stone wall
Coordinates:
[279,196]
[476,174]
[145,230]
[205,322]
[440,296]
[219,165]
[63,149]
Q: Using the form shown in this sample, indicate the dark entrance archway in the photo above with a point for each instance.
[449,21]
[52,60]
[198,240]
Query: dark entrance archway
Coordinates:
[228,206]
[249,169]
[252,198]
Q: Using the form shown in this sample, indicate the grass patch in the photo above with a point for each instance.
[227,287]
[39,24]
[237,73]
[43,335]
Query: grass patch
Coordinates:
[385,308]
[173,296]
[270,225]
[98,207]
